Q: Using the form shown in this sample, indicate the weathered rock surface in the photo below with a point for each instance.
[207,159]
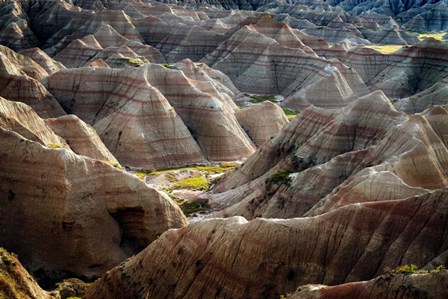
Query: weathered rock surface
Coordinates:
[144,131]
[262,121]
[134,120]
[20,118]
[387,286]
[19,81]
[90,215]
[40,57]
[365,152]
[282,64]
[111,47]
[266,258]
[82,138]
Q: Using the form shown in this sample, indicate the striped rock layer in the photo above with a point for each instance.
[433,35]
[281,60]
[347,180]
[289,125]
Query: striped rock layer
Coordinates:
[20,81]
[155,116]
[90,215]
[233,258]
[389,286]
[365,152]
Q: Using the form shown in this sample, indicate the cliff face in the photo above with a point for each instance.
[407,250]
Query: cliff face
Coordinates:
[91,215]
[265,258]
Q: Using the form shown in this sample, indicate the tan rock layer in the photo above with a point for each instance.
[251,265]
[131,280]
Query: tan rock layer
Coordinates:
[91,215]
[265,258]
[388,286]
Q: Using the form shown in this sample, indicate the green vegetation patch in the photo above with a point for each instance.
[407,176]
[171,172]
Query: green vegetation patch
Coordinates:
[413,269]
[195,183]
[141,173]
[191,208]
[385,49]
[259,98]
[437,36]
[290,113]
[54,145]
[280,177]
[133,61]
[114,164]
[167,65]
[222,167]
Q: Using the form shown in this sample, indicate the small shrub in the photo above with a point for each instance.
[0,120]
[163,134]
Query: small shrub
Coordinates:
[280,177]
[191,208]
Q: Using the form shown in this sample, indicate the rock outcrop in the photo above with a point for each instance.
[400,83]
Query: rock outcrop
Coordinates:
[19,81]
[325,160]
[91,215]
[262,121]
[154,116]
[265,258]
[82,138]
[288,66]
[22,119]
[389,286]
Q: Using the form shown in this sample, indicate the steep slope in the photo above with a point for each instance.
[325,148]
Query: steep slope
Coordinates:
[20,118]
[365,152]
[134,120]
[259,64]
[145,131]
[265,258]
[107,44]
[91,215]
[387,286]
[262,121]
[82,138]
[19,81]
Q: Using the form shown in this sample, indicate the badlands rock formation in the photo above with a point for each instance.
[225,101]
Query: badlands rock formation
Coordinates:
[351,188]
[155,116]
[262,121]
[82,138]
[90,215]
[288,67]
[265,258]
[19,81]
[389,286]
[323,160]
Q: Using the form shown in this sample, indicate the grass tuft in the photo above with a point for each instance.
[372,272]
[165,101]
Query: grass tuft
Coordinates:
[260,98]
[195,183]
